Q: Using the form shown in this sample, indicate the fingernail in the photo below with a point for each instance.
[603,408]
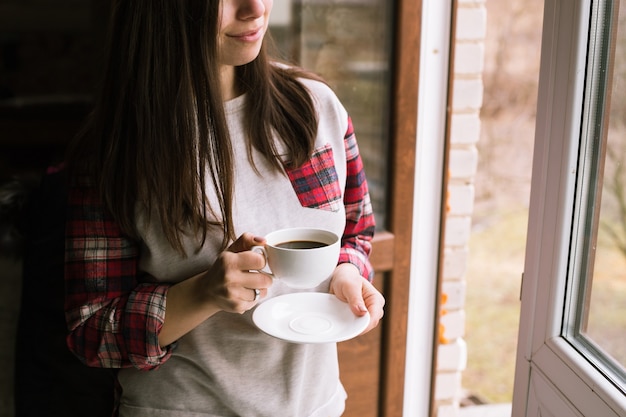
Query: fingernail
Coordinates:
[258,239]
[362,308]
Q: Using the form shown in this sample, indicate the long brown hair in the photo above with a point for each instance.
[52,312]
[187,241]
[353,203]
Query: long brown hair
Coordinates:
[158,128]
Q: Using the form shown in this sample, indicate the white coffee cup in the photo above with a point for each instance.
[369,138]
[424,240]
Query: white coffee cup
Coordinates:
[301,257]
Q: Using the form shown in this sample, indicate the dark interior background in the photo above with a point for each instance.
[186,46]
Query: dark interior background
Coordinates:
[49,52]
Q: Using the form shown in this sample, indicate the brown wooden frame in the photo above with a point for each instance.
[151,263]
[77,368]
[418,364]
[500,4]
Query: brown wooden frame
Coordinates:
[378,358]
[402,180]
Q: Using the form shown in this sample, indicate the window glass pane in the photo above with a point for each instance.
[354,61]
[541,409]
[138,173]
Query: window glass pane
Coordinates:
[595,317]
[606,307]
[348,42]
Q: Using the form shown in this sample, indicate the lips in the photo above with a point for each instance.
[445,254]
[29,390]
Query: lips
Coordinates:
[247,36]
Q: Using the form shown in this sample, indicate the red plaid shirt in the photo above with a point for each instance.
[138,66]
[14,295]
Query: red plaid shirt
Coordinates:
[115,316]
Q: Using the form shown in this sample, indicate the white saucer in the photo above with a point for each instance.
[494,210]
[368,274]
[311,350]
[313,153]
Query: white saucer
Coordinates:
[309,317]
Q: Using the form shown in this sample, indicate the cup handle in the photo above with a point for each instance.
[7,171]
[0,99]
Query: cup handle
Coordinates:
[262,251]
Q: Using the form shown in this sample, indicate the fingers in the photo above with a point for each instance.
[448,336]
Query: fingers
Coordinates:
[241,273]
[255,294]
[239,296]
[245,242]
[375,303]
[245,261]
[233,279]
[347,286]
[355,298]
[368,299]
[360,294]
[249,260]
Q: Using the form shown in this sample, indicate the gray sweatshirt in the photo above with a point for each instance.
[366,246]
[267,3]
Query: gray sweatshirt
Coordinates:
[227,366]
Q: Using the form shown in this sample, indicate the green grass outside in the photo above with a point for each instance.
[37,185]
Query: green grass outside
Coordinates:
[492,305]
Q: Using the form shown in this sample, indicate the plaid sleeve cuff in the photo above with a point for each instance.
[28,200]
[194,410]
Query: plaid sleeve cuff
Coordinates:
[358,259]
[145,311]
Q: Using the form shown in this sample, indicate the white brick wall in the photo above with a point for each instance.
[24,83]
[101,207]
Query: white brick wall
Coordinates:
[463,163]
[465,129]
[467,94]
[448,410]
[471,21]
[458,230]
[455,290]
[454,323]
[468,58]
[452,357]
[461,199]
[467,99]
[454,263]
[447,385]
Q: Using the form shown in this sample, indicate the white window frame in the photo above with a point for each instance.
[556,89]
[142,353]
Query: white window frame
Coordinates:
[431,122]
[552,378]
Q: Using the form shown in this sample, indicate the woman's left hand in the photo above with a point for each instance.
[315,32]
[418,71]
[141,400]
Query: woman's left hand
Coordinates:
[349,286]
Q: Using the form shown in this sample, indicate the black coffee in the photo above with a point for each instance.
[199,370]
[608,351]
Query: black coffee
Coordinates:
[301,244]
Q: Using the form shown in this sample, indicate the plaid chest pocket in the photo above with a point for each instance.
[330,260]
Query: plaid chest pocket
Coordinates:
[316,183]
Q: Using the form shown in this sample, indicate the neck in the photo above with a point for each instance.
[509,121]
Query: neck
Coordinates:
[229,88]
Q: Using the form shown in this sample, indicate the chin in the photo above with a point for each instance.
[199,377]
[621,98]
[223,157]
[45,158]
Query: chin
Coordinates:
[242,58]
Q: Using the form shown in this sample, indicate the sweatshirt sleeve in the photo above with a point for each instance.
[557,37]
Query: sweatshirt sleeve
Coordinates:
[113,319]
[360,224]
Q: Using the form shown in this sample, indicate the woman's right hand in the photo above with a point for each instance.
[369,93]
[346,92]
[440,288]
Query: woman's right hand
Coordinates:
[227,286]
[231,282]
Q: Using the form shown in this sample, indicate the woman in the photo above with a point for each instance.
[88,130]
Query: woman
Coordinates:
[199,145]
